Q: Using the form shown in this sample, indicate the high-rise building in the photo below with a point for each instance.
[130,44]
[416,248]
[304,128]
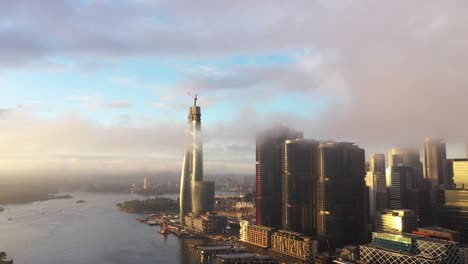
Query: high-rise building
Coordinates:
[341,198]
[145,183]
[377,163]
[455,172]
[376,181]
[196,196]
[268,175]
[396,248]
[434,156]
[407,158]
[299,168]
[402,220]
[453,201]
[403,179]
[404,156]
[453,211]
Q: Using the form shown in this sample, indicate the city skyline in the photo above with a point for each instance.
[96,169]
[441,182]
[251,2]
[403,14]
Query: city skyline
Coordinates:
[78,96]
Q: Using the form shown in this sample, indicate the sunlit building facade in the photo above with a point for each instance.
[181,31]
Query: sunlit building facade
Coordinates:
[434,156]
[294,244]
[396,221]
[196,196]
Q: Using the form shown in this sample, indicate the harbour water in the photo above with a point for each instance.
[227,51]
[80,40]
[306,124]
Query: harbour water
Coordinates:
[63,231]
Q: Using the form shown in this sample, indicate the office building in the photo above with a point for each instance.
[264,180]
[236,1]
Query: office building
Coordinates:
[453,201]
[299,168]
[403,179]
[376,181]
[268,175]
[455,171]
[404,156]
[341,197]
[396,221]
[196,196]
[294,244]
[377,163]
[453,212]
[388,248]
[434,156]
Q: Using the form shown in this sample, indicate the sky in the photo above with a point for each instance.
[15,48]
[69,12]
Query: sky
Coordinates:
[101,87]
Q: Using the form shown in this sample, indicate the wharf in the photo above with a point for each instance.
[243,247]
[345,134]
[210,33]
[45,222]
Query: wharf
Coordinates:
[245,258]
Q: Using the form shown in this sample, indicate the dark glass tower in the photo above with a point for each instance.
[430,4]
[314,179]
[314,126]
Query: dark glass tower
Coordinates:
[299,168]
[268,175]
[341,194]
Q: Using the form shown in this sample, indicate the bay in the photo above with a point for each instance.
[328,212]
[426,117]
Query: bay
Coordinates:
[63,231]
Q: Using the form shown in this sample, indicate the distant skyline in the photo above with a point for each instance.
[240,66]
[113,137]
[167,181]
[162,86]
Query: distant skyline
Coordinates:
[97,86]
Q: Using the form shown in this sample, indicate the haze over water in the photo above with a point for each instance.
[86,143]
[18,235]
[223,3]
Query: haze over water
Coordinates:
[62,231]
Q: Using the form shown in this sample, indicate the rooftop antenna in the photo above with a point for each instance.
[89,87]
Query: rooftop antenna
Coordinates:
[194,98]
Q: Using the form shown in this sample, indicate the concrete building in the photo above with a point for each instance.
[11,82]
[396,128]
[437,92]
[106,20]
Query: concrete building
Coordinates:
[434,156]
[268,175]
[396,221]
[341,194]
[294,244]
[196,196]
[387,248]
[255,234]
[207,224]
[299,166]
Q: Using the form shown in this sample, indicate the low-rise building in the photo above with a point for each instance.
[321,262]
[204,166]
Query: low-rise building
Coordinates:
[401,220]
[208,223]
[395,248]
[438,232]
[294,244]
[255,234]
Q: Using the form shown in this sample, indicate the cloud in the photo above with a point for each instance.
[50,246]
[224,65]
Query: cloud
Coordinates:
[393,72]
[119,104]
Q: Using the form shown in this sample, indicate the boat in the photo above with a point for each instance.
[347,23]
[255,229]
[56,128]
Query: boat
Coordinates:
[164,229]
[151,223]
[1,209]
[80,201]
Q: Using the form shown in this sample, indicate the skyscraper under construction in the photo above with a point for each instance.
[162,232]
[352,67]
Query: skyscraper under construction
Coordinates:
[196,195]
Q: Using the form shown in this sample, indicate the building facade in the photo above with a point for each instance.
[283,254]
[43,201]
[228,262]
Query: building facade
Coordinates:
[299,168]
[294,244]
[207,224]
[341,194]
[268,175]
[396,221]
[255,234]
[387,248]
[434,156]
[196,196]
